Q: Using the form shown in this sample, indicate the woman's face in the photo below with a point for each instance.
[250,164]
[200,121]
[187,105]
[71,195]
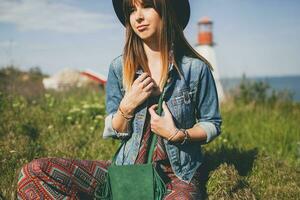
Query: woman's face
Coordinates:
[145,21]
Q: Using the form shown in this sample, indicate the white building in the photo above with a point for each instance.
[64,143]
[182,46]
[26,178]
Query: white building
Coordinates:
[69,78]
[205,47]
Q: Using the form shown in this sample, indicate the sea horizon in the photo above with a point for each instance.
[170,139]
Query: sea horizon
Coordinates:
[289,83]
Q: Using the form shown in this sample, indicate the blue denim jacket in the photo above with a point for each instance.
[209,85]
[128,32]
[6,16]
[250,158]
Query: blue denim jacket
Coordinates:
[191,99]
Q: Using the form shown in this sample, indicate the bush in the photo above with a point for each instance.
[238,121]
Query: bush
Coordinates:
[259,92]
[27,84]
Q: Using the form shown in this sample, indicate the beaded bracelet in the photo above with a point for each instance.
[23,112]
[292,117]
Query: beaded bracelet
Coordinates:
[172,136]
[127,117]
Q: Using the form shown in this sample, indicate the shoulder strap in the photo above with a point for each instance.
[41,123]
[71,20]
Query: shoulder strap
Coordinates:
[154,136]
[113,162]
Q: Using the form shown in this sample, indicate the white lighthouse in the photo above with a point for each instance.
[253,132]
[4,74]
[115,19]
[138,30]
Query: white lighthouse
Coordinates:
[205,48]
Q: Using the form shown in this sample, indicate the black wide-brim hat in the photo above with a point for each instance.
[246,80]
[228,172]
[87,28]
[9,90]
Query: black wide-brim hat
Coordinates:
[181,7]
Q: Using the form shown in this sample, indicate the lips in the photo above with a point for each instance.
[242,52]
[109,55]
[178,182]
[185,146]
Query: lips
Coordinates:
[141,27]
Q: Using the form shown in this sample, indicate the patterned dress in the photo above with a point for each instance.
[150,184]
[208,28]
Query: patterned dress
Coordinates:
[60,178]
[176,188]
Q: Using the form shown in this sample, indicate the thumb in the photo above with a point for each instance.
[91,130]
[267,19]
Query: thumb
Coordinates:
[152,111]
[165,108]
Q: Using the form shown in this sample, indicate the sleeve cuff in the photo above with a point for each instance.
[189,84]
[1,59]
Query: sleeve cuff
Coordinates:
[109,132]
[210,129]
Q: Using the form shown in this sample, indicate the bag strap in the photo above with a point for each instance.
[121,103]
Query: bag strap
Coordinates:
[113,162]
[154,136]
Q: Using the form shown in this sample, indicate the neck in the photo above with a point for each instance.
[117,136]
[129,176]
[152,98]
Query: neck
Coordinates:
[153,53]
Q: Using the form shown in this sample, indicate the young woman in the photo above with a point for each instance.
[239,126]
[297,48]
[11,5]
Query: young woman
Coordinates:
[157,60]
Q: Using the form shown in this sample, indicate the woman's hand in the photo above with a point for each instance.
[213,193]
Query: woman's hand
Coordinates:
[163,126]
[141,89]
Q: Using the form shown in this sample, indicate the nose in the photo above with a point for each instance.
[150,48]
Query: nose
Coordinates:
[139,15]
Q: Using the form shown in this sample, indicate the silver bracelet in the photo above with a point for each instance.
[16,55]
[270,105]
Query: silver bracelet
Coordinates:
[186,136]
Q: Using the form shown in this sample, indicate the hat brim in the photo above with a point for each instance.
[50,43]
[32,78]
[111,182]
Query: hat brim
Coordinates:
[182,10]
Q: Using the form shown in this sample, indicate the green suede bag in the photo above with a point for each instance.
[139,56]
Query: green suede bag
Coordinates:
[133,182]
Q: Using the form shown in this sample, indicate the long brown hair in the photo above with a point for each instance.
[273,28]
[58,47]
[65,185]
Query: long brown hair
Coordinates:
[172,42]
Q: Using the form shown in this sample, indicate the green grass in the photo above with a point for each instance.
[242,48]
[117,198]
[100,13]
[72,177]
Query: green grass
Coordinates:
[56,125]
[256,157]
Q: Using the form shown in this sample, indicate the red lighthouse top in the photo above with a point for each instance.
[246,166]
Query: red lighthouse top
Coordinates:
[205,36]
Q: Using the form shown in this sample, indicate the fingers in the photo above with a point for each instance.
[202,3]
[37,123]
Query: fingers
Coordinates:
[142,77]
[152,110]
[145,82]
[164,105]
[149,86]
[153,107]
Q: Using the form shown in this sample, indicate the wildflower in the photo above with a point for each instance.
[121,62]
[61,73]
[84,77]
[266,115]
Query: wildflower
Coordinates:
[74,109]
[100,117]
[16,104]
[86,106]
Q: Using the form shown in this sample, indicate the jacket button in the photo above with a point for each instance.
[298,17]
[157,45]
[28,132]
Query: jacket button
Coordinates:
[186,98]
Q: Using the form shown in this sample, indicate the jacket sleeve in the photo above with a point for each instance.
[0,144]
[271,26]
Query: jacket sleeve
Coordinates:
[112,101]
[207,103]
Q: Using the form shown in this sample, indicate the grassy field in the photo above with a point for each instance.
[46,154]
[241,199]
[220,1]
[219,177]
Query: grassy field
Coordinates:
[256,157]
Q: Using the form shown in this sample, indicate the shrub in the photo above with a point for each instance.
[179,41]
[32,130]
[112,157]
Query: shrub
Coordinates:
[259,92]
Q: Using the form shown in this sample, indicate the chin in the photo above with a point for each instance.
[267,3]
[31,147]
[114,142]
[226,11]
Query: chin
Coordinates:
[146,36]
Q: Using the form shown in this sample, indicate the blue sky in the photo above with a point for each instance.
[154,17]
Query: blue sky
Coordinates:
[255,37]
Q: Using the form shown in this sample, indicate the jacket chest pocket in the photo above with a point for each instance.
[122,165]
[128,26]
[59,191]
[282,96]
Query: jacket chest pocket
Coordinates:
[184,107]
